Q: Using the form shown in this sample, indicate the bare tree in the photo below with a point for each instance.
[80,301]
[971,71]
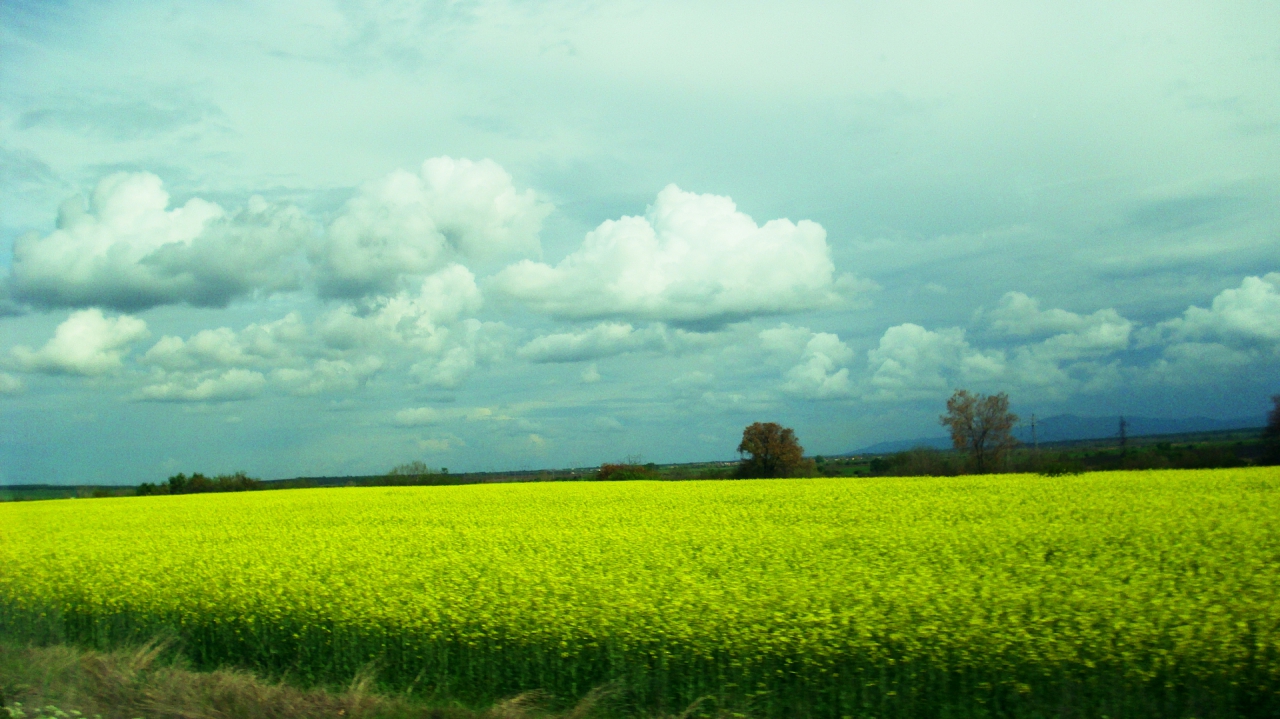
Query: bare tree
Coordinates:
[416,468]
[774,450]
[982,426]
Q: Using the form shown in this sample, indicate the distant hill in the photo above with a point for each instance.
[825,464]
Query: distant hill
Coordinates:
[1068,427]
[1065,427]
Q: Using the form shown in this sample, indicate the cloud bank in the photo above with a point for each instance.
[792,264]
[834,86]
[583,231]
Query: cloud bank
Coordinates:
[1246,316]
[1240,329]
[389,292]
[126,250]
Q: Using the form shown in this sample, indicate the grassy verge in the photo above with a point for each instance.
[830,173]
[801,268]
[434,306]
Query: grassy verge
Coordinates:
[151,682]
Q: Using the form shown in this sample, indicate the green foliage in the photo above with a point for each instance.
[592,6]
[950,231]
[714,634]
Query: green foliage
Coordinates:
[18,711]
[1163,455]
[1051,464]
[918,462]
[1055,462]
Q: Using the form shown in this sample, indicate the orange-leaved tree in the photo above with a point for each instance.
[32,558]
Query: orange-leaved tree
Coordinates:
[774,450]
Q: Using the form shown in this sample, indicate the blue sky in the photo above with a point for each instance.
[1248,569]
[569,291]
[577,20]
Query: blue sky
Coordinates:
[332,237]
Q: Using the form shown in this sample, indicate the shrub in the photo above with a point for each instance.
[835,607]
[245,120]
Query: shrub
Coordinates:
[918,462]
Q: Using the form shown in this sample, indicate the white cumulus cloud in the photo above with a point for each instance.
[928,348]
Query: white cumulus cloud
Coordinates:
[1068,352]
[1187,363]
[286,350]
[1248,315]
[327,376]
[87,343]
[1020,316]
[821,373]
[913,362]
[1240,328]
[431,326]
[691,259]
[449,368]
[418,416]
[420,318]
[233,384]
[603,340]
[258,345]
[411,224]
[437,445]
[427,333]
[127,251]
[472,344]
[1074,354]
[10,384]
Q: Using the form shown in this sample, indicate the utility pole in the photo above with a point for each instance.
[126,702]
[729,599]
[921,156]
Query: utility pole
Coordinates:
[1124,437]
[1035,443]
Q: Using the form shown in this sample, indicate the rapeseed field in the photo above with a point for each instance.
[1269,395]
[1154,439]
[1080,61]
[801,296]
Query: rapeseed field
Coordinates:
[1152,593]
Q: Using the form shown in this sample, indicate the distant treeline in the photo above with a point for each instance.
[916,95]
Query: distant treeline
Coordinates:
[199,484]
[1163,455]
[1250,450]
[413,474]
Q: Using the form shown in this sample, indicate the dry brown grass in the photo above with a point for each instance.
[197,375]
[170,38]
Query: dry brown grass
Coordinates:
[145,682]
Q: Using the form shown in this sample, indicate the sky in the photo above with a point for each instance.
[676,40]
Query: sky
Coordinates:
[297,237]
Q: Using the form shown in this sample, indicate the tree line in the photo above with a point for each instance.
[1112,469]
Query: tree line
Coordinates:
[197,483]
[981,428]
